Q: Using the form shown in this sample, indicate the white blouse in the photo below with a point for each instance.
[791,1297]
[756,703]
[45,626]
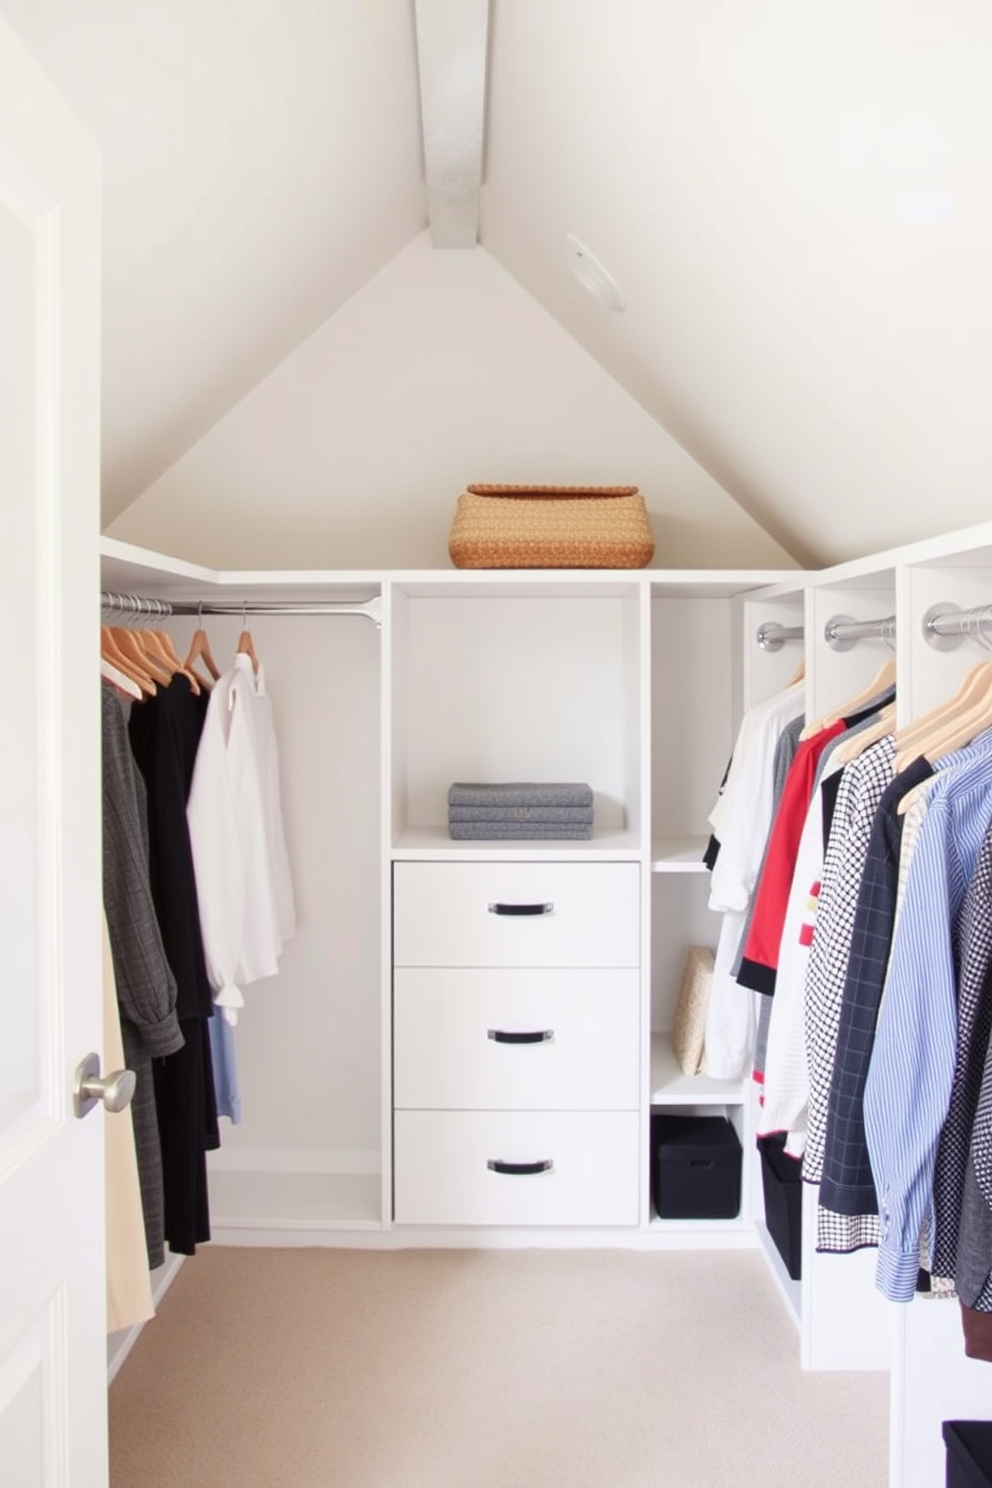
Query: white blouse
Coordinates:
[244,888]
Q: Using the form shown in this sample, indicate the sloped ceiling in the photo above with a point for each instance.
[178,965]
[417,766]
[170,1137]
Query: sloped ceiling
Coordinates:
[793,197]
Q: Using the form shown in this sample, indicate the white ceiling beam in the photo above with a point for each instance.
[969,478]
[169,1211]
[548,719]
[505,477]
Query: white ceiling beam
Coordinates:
[452,37]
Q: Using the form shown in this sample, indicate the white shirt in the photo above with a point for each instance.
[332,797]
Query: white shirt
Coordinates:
[243,884]
[745,823]
[786,1072]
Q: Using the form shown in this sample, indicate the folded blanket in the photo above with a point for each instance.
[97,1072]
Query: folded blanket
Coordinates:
[522,832]
[563,816]
[520,793]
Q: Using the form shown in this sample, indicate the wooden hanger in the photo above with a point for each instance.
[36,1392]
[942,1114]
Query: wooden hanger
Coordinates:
[862,739]
[958,732]
[130,645]
[125,662]
[113,674]
[246,646]
[152,644]
[884,678]
[968,709]
[199,650]
[161,641]
[799,675]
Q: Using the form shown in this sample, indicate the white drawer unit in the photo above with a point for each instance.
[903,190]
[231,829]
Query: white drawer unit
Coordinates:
[516,1168]
[507,1039]
[516,1043]
[516,914]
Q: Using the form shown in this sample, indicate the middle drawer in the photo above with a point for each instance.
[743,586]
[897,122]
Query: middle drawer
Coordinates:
[500,1039]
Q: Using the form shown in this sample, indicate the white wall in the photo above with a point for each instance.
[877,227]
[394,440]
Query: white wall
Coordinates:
[440,371]
[794,198]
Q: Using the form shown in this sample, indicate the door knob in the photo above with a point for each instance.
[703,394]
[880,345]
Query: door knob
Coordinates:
[89,1087]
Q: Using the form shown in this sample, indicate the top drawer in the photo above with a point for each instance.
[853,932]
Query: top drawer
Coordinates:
[516,914]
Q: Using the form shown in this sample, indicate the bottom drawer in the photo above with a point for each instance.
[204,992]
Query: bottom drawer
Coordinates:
[516,1167]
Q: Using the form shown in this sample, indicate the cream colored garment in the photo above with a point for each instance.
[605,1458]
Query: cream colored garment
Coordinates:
[129,1287]
[911,827]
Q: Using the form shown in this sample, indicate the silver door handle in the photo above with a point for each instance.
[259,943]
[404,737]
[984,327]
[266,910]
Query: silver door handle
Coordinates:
[89,1087]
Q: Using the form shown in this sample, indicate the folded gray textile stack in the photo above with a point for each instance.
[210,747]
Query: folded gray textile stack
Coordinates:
[519,811]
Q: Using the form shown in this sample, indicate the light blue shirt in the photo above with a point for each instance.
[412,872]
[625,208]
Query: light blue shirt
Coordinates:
[912,1065]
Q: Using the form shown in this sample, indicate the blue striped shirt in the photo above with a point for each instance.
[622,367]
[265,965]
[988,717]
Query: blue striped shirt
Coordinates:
[909,1080]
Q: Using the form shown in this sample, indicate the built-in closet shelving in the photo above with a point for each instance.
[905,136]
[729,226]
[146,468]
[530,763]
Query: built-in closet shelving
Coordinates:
[635,682]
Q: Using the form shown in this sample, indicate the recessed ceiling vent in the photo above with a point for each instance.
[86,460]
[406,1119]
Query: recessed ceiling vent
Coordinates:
[592,275]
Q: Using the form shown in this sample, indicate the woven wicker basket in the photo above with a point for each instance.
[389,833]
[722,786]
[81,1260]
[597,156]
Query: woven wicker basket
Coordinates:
[551,527]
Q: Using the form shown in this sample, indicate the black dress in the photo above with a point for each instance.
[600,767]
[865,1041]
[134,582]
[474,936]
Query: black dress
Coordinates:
[165,734]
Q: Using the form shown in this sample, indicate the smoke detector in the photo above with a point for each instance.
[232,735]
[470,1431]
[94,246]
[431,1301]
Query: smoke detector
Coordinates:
[592,275]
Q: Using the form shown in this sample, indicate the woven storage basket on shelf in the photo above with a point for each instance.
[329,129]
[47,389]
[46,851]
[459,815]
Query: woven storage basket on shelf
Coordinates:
[551,527]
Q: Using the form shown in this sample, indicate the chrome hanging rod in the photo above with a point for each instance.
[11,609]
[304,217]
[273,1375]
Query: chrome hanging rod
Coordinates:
[772,636]
[135,605]
[843,631]
[946,625]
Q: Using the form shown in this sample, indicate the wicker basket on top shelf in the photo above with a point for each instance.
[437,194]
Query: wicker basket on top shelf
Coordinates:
[499,526]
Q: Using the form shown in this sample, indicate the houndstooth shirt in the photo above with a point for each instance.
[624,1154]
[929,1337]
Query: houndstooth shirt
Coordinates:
[847,1190]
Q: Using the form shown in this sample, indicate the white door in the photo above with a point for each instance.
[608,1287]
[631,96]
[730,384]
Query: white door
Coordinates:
[52,1288]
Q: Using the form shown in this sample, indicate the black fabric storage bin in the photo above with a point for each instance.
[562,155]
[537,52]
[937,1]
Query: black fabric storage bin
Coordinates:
[781,1180]
[969,1453]
[696,1168]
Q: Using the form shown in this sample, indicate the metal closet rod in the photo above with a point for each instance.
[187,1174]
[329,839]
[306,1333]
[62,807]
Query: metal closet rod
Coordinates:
[840,633]
[946,625]
[137,605]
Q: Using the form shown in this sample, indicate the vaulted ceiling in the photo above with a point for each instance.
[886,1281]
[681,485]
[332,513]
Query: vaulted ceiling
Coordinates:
[793,197]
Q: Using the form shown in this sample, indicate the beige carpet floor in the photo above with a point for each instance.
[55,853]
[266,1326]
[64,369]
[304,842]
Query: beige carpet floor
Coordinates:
[484,1369]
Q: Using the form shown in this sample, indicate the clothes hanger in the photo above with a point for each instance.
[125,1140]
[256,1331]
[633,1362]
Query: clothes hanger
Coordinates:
[160,644]
[130,645]
[199,650]
[127,663]
[959,732]
[863,738]
[246,646]
[799,675]
[969,689]
[120,680]
[885,677]
[150,641]
[968,709]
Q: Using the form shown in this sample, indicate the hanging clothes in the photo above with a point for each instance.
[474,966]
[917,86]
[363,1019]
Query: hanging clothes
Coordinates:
[243,881]
[742,815]
[235,830]
[861,789]
[973,954]
[145,987]
[847,1187]
[907,1091]
[165,733]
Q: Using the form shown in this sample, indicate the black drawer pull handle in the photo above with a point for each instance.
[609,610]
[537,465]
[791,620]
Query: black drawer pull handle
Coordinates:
[522,1170]
[702,1162]
[521,909]
[539,1036]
